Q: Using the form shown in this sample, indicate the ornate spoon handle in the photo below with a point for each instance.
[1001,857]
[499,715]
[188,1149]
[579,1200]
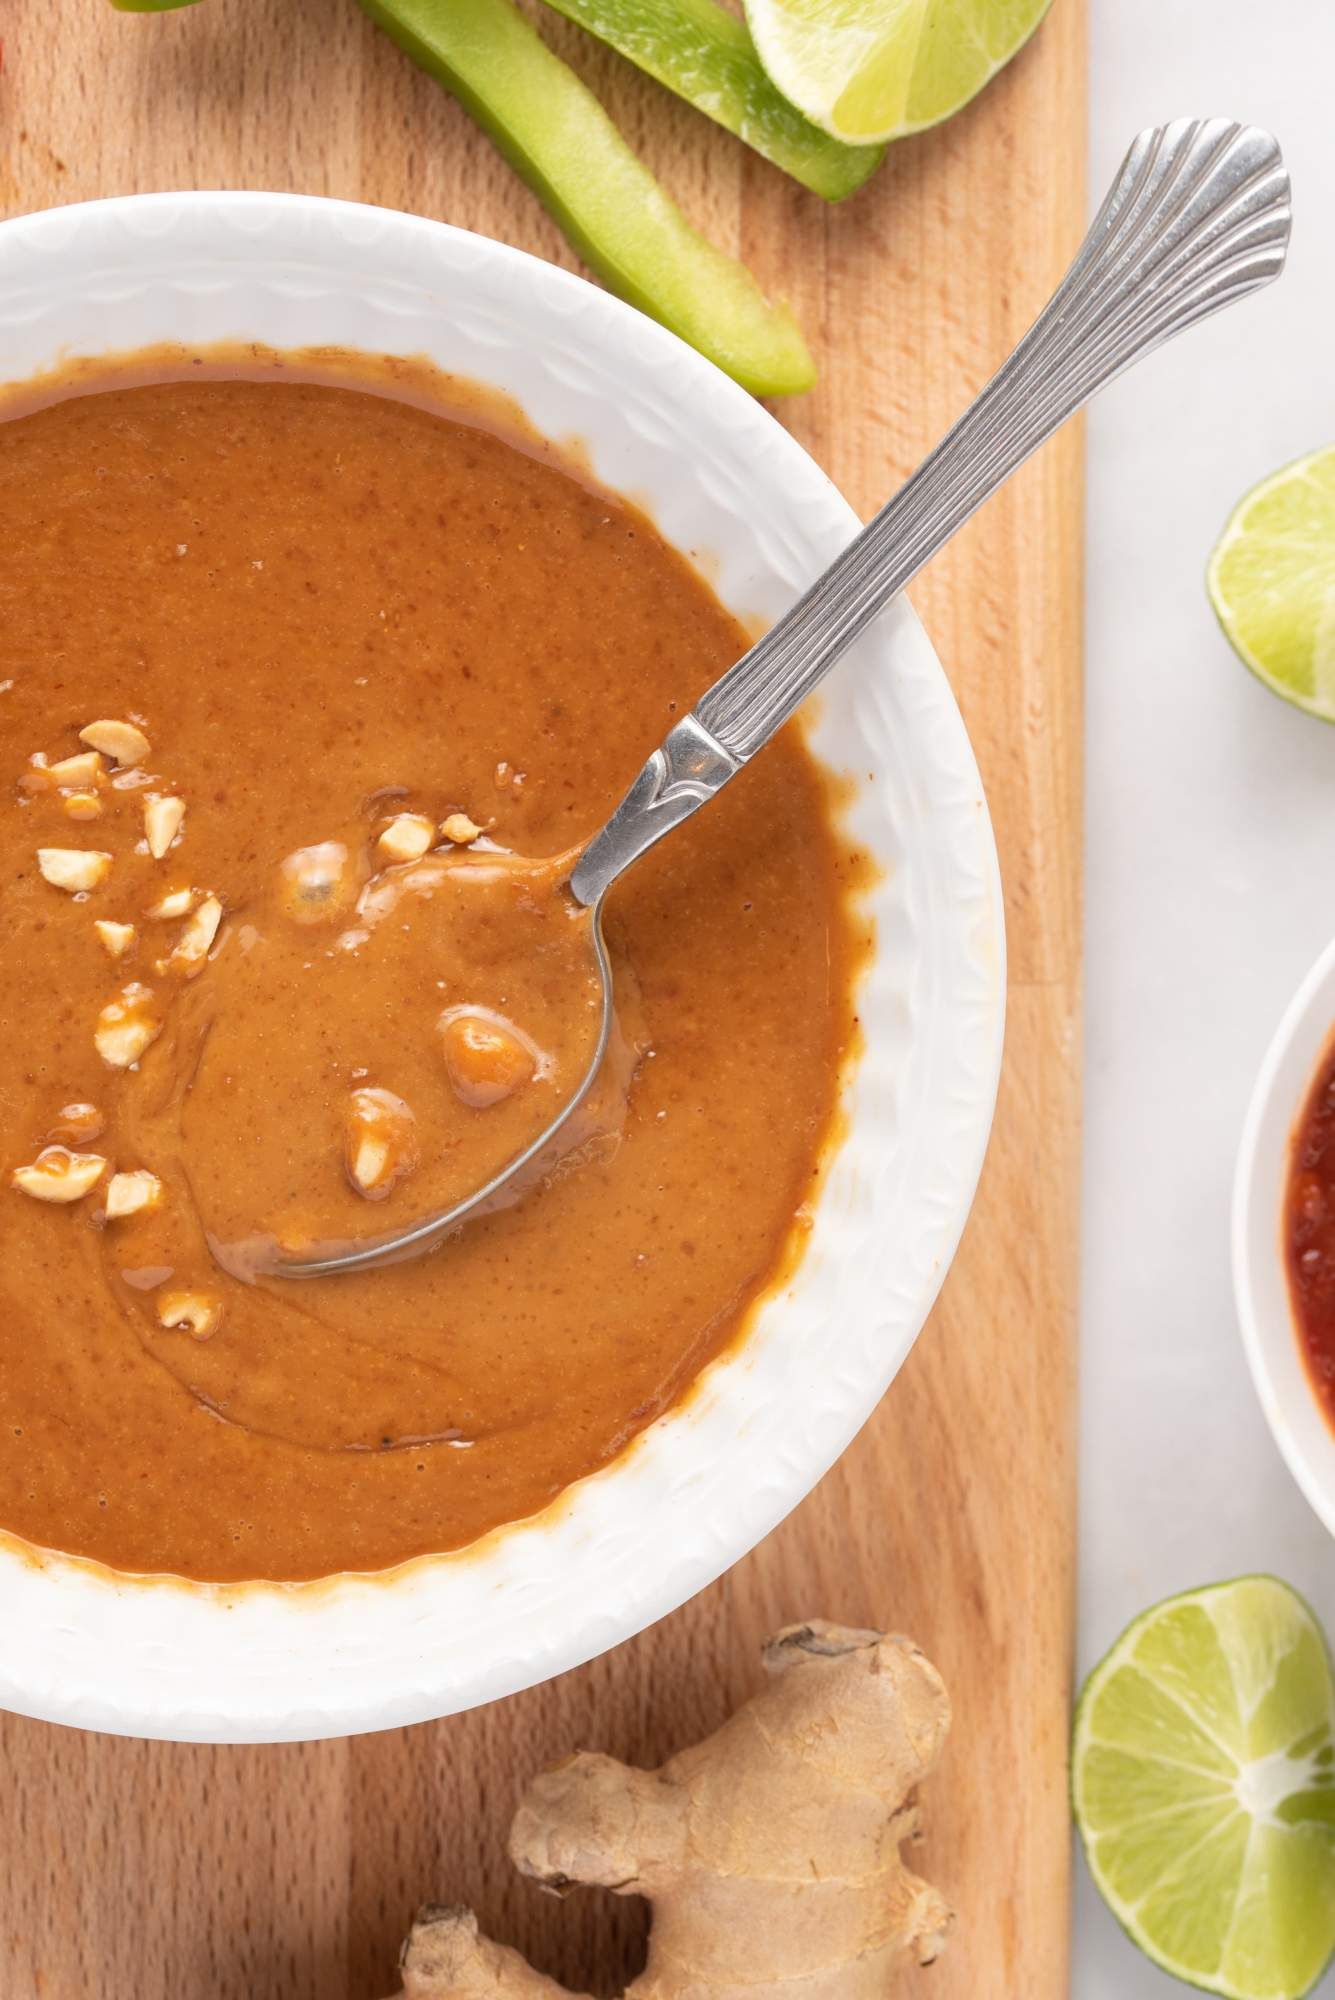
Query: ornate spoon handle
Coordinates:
[1198,216]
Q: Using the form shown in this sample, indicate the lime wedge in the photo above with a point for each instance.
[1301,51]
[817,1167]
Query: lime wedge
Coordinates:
[1272,582]
[868,70]
[1203,1781]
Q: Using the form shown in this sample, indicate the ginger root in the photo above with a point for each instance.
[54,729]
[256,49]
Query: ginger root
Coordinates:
[770,1851]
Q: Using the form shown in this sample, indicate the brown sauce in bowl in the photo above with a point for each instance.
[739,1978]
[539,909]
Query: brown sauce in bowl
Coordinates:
[389,658]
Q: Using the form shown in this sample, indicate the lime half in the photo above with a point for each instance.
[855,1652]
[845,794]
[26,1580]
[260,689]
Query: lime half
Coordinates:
[1203,1780]
[867,70]
[1272,582]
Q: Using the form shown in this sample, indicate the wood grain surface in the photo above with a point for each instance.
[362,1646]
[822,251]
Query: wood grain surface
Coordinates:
[148,1872]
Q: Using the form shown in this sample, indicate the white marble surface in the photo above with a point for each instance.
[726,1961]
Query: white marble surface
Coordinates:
[1210,827]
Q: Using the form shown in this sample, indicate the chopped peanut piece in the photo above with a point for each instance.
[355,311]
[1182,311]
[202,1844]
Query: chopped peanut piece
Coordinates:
[367,1164]
[197,1313]
[132,1193]
[73,869]
[126,1026]
[379,1142]
[120,741]
[82,805]
[79,773]
[116,938]
[76,1124]
[59,1175]
[176,903]
[318,883]
[163,818]
[196,939]
[407,837]
[460,829]
[486,1059]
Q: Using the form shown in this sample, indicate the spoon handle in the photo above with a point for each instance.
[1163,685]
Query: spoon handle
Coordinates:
[1198,217]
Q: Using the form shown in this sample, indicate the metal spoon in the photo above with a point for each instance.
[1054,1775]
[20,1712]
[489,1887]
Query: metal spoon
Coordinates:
[1197,218]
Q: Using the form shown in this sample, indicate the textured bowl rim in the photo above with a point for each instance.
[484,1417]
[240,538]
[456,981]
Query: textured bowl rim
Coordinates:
[82,1668]
[1265,1315]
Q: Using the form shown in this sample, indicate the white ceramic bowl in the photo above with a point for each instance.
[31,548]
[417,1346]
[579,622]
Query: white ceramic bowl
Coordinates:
[1259,1276]
[155,1657]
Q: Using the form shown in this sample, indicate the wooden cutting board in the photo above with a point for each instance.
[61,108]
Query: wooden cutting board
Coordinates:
[148,1872]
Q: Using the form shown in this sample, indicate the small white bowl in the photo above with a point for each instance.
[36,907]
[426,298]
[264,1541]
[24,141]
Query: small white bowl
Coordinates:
[1260,1277]
[724,481]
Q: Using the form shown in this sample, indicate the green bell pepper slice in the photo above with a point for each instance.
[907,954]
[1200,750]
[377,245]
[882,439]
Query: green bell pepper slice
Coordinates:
[558,138]
[706,55]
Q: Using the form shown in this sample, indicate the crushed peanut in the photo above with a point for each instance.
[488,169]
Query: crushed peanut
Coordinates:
[132,1193]
[486,1058]
[126,1026]
[84,768]
[59,1175]
[460,829]
[120,741]
[82,805]
[317,884]
[163,819]
[196,939]
[80,773]
[379,1141]
[407,837]
[73,869]
[197,1313]
[76,1124]
[116,938]
[176,903]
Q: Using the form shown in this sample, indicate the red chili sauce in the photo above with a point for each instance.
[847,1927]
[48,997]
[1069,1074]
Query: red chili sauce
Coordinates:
[1309,1233]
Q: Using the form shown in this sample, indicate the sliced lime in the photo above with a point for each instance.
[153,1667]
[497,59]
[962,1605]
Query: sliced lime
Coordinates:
[869,70]
[1272,582]
[1203,1781]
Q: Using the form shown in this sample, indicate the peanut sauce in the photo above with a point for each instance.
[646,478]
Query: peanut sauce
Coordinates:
[369,660]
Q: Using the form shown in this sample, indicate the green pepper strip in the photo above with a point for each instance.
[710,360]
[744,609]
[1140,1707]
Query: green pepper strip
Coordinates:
[707,56]
[557,136]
